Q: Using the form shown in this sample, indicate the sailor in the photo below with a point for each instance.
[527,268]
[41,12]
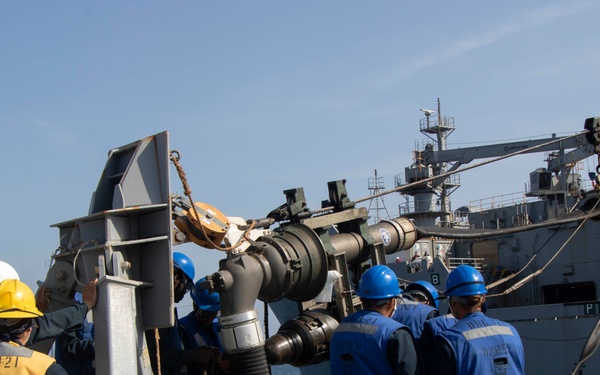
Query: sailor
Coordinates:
[7,272]
[74,350]
[476,344]
[201,327]
[369,341]
[431,329]
[17,310]
[415,263]
[424,292]
[429,259]
[413,314]
[54,323]
[175,358]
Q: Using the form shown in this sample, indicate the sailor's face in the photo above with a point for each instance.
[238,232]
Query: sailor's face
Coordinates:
[205,318]
[179,286]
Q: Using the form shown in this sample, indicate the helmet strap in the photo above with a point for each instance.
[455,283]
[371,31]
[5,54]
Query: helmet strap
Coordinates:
[179,292]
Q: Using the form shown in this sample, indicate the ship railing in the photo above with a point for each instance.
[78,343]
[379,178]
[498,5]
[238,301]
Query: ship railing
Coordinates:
[477,263]
[404,208]
[498,201]
[431,124]
[451,181]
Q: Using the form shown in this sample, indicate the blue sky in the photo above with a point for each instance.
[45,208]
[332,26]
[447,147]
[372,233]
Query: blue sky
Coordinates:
[264,96]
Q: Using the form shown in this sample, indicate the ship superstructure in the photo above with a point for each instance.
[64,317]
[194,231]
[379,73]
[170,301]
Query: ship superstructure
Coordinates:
[542,280]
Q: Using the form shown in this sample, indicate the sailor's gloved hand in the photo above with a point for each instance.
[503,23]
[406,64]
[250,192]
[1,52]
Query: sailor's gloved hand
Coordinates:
[204,358]
[223,364]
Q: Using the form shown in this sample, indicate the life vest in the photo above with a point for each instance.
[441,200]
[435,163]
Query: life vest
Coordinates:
[19,360]
[441,323]
[483,345]
[359,344]
[412,314]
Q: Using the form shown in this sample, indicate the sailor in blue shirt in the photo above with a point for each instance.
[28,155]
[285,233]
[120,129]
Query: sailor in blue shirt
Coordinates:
[369,341]
[476,344]
[175,358]
[201,327]
[431,329]
[413,314]
[416,306]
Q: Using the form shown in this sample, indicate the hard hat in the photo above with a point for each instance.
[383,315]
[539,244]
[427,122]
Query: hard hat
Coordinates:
[7,272]
[425,289]
[465,281]
[184,263]
[17,300]
[378,282]
[204,299]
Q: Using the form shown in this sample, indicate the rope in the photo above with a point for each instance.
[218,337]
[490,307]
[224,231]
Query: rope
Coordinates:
[447,174]
[175,156]
[157,338]
[535,254]
[536,273]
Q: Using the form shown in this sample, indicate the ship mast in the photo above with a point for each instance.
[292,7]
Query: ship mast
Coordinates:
[375,187]
[431,200]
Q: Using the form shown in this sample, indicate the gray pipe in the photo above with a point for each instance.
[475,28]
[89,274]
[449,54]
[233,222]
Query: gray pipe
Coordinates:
[291,264]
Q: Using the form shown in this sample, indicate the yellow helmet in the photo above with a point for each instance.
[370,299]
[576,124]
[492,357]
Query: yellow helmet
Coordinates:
[17,301]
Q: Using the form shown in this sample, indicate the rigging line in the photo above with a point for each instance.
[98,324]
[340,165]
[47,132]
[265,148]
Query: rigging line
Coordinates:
[447,174]
[531,276]
[535,254]
[546,242]
[174,157]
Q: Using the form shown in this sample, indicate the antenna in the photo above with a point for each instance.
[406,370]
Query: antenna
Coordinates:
[375,186]
[428,112]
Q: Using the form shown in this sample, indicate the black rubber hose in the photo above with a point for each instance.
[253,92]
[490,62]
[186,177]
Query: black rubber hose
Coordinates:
[249,362]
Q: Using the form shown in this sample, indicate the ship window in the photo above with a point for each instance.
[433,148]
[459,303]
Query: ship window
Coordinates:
[545,181]
[573,292]
[556,199]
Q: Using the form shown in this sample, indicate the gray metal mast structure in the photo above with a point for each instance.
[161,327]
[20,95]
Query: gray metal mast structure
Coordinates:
[431,200]
[376,186]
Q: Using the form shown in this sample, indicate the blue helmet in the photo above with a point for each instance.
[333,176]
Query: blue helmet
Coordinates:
[204,299]
[425,289]
[378,282]
[465,281]
[184,263]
